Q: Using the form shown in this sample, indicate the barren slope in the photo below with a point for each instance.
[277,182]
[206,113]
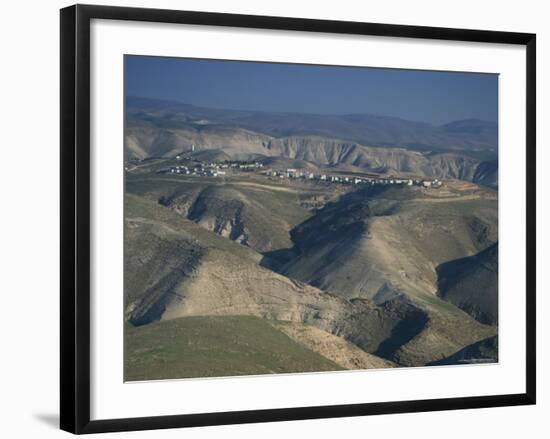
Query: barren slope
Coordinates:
[259,216]
[237,143]
[332,347]
[471,283]
[223,278]
[484,351]
[383,242]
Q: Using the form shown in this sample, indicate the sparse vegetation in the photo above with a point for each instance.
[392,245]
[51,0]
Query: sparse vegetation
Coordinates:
[192,347]
[247,274]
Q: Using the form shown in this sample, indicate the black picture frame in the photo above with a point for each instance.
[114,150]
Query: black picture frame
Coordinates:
[75,217]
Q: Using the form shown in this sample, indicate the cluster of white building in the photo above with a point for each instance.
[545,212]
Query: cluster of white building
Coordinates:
[289,173]
[246,166]
[198,170]
[213,169]
[343,179]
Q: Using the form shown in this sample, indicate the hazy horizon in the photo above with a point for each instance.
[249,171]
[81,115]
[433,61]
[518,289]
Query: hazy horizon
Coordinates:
[300,112]
[424,96]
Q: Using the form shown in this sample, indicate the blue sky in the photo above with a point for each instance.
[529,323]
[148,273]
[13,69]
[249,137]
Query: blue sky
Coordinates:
[433,97]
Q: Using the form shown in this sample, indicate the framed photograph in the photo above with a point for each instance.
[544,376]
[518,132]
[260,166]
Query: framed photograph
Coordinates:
[268,218]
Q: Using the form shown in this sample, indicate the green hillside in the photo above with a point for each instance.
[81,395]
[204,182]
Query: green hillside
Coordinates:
[215,346]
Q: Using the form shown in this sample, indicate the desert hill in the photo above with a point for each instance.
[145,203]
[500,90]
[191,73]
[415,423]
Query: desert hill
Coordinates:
[464,150]
[336,349]
[487,174]
[383,242]
[217,277]
[471,283]
[249,213]
[480,352]
[248,271]
[310,151]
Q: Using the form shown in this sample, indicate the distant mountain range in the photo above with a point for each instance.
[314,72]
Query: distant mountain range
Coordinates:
[466,149]
[367,129]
